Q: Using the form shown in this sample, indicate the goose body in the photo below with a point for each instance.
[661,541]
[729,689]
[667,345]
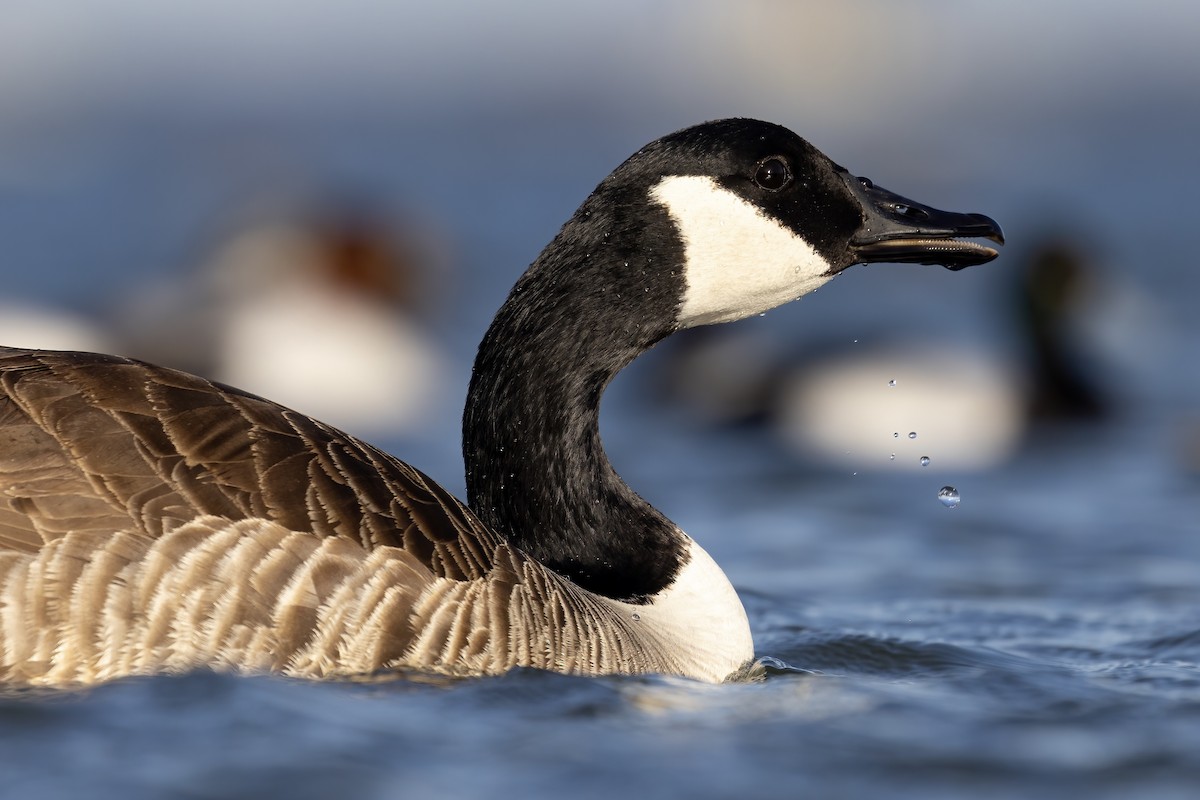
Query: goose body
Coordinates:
[153,521]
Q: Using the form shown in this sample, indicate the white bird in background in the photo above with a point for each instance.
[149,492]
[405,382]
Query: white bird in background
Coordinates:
[319,315]
[969,406]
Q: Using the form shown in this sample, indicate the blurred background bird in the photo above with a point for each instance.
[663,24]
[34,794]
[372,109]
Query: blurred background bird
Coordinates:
[324,311]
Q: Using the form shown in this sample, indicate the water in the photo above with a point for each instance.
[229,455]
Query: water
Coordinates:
[949,496]
[1042,641]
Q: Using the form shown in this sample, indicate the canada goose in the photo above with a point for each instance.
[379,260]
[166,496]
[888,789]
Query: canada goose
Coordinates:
[155,521]
[971,406]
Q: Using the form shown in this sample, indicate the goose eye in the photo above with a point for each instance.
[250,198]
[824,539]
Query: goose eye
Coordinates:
[772,174]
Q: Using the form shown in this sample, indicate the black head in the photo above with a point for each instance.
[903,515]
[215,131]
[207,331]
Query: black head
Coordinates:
[766,217]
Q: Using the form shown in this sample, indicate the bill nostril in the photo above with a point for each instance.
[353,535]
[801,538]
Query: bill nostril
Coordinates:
[910,212]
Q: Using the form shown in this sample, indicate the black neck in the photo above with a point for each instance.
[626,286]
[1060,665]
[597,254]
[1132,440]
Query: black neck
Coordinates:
[536,470]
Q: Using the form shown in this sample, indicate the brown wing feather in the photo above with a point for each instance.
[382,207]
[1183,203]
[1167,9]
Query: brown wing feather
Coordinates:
[98,443]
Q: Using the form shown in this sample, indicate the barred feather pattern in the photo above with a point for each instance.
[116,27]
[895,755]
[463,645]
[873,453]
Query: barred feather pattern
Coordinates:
[152,521]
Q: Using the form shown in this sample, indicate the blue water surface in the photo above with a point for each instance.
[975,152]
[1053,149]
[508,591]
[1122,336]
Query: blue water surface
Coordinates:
[1038,641]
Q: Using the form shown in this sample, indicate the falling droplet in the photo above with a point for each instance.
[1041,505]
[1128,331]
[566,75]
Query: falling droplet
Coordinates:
[924,461]
[892,382]
[892,457]
[896,435]
[637,617]
[949,497]
[912,434]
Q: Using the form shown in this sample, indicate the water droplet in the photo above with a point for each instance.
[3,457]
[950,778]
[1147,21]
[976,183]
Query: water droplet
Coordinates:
[949,497]
[912,434]
[896,435]
[637,617]
[892,382]
[892,457]
[924,461]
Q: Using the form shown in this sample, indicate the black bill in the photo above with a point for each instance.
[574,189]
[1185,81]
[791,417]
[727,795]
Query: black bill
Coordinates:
[898,230]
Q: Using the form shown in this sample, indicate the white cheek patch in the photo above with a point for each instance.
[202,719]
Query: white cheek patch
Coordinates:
[738,261]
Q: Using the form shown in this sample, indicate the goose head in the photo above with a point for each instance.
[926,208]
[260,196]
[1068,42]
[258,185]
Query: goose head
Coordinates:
[765,217]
